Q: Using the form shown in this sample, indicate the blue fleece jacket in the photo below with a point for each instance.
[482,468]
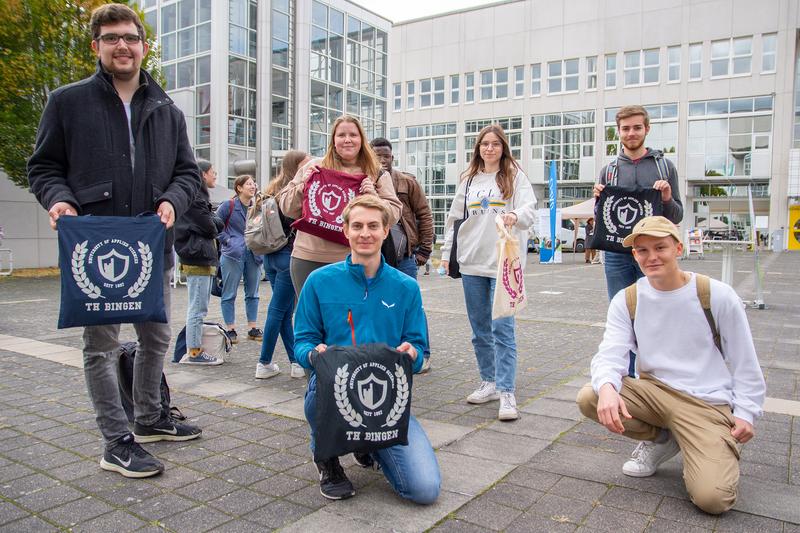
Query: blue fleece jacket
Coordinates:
[388,309]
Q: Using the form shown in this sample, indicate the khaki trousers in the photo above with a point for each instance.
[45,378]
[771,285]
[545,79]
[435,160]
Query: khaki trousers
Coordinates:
[702,430]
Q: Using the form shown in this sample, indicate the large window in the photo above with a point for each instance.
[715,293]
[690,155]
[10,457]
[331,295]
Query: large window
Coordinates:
[663,133]
[397,94]
[769,43]
[469,85]
[536,79]
[562,76]
[731,57]
[282,68]
[695,61]
[494,84]
[641,67]
[611,71]
[565,138]
[511,125]
[455,82]
[673,64]
[410,86]
[730,138]
[242,131]
[519,81]
[591,73]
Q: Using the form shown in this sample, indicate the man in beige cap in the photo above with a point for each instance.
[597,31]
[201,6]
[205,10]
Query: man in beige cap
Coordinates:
[686,399]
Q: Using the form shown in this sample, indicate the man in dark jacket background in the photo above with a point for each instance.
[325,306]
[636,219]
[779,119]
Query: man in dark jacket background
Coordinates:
[114,144]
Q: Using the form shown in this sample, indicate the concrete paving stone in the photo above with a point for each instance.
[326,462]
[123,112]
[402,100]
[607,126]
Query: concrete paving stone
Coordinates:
[39,500]
[181,379]
[200,518]
[117,521]
[536,426]
[736,522]
[91,450]
[186,453]
[454,525]
[309,497]
[778,474]
[259,397]
[255,434]
[13,471]
[175,476]
[277,461]
[553,408]
[56,433]
[215,463]
[685,511]
[305,471]
[769,499]
[15,443]
[221,444]
[216,388]
[24,485]
[791,528]
[225,427]
[325,521]
[532,478]
[130,492]
[489,514]
[52,460]
[163,505]
[280,485]
[206,489]
[284,441]
[27,525]
[443,433]
[493,445]
[240,502]
[605,443]
[612,520]
[77,511]
[32,452]
[631,500]
[535,523]
[245,474]
[473,422]
[580,489]
[511,495]
[660,525]
[277,514]
[469,475]
[560,508]
[10,512]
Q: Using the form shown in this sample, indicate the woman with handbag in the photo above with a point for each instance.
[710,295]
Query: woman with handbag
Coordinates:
[237,260]
[276,265]
[349,154]
[493,185]
[195,243]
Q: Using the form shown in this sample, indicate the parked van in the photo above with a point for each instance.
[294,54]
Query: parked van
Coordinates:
[566,234]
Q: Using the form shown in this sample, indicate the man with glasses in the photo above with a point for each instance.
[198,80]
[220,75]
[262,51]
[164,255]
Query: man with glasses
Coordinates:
[115,145]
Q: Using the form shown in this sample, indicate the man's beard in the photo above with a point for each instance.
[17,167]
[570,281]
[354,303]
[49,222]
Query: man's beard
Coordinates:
[633,147]
[122,75]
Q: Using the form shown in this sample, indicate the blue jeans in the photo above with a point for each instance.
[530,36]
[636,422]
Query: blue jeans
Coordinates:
[199,288]
[621,270]
[412,470]
[408,266]
[281,306]
[232,272]
[493,340]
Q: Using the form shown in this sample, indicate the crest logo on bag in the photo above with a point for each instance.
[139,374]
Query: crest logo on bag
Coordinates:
[99,271]
[621,213]
[333,199]
[371,383]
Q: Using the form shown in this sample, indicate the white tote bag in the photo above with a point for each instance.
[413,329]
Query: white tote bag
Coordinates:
[509,290]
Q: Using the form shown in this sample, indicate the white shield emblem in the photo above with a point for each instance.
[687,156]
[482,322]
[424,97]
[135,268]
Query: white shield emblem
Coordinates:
[627,213]
[113,266]
[367,394]
[331,200]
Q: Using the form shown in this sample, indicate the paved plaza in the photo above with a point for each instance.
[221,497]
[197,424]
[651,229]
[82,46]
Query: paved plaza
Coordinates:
[550,471]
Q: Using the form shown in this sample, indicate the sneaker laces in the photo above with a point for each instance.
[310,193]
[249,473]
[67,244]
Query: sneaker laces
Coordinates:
[485,385]
[507,401]
[641,454]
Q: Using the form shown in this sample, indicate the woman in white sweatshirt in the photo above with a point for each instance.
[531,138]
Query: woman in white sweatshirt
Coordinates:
[493,185]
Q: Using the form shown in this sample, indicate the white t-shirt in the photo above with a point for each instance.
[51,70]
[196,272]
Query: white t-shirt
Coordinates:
[676,346]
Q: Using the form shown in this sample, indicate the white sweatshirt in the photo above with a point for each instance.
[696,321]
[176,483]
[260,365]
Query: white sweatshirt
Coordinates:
[676,346]
[477,236]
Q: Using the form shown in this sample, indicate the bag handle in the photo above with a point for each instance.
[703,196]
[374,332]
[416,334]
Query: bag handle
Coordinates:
[502,229]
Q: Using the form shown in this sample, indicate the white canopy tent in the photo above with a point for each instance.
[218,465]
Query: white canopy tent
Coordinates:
[581,211]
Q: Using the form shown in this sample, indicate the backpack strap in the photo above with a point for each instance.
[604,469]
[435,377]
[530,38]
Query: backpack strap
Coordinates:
[662,167]
[230,212]
[630,301]
[704,295]
[611,172]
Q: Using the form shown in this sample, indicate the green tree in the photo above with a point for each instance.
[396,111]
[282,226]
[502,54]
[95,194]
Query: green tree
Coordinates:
[43,44]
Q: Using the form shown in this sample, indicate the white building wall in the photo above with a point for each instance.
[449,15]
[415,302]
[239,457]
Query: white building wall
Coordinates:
[26,227]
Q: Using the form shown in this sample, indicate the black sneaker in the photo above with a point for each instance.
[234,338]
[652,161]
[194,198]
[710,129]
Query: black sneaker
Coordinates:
[365,460]
[232,336]
[255,334]
[131,460]
[333,483]
[165,429]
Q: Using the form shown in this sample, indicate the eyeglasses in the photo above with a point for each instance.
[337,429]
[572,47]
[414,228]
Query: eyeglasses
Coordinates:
[113,38]
[495,145]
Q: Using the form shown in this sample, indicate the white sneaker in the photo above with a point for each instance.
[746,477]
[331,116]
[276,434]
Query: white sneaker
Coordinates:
[297,371]
[426,366]
[508,407]
[485,393]
[648,455]
[267,371]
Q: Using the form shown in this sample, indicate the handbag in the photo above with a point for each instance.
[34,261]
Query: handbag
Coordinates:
[453,268]
[216,283]
[509,291]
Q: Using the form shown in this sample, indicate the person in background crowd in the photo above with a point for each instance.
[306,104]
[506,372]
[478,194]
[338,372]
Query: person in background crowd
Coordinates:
[73,171]
[347,152]
[493,185]
[589,254]
[195,243]
[237,260]
[413,234]
[276,265]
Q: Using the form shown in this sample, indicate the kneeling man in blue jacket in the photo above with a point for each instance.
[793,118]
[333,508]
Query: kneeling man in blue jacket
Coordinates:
[364,298]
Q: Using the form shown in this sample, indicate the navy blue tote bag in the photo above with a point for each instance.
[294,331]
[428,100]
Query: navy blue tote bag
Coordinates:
[112,270]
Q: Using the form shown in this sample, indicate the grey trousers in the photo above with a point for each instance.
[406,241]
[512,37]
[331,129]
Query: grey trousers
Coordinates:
[299,270]
[101,369]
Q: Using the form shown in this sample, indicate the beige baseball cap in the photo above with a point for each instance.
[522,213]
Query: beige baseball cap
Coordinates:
[653,226]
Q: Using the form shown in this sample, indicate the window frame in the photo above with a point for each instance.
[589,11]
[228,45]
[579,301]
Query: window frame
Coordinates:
[591,73]
[671,63]
[773,37]
[612,72]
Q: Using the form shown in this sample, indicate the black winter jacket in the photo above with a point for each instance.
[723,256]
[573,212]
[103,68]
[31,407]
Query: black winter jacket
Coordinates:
[82,154]
[196,231]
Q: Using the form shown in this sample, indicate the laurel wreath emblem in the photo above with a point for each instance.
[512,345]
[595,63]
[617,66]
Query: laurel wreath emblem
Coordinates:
[506,282]
[610,226]
[350,415]
[401,400]
[79,271]
[144,275]
[648,208]
[312,199]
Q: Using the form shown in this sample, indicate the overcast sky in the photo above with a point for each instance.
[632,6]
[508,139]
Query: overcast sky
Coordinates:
[399,10]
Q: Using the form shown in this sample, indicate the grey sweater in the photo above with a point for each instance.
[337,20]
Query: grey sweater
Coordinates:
[643,173]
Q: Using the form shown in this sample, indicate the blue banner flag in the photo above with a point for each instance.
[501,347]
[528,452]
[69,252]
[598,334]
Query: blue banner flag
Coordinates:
[112,270]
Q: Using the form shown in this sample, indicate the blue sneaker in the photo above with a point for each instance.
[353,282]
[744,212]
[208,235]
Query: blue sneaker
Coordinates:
[203,358]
